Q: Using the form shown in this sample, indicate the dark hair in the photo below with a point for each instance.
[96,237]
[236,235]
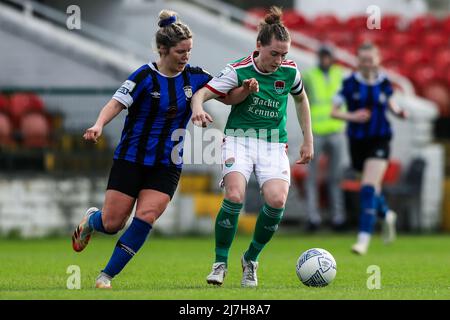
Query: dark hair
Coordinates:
[171,31]
[272,26]
[367,46]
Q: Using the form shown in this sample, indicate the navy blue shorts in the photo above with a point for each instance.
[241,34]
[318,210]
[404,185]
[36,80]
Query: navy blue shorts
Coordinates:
[130,178]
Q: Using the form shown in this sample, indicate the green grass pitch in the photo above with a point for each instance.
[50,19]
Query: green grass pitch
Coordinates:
[414,267]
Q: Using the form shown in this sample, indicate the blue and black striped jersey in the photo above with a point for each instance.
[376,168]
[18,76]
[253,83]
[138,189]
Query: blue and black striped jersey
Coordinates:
[157,106]
[358,94]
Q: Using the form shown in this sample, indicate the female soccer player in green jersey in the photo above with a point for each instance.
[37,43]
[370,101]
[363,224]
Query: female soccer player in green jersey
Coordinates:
[255,141]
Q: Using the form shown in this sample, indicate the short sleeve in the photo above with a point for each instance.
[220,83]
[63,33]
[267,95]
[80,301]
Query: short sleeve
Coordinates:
[226,80]
[387,88]
[201,76]
[297,86]
[341,96]
[132,87]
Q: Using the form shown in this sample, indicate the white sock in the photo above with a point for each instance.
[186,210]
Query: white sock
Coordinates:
[364,238]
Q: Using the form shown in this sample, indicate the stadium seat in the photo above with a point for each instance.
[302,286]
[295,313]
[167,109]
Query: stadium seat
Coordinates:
[4,103]
[356,23]
[22,103]
[294,20]
[445,25]
[395,66]
[341,38]
[388,54]
[438,93]
[399,40]
[35,130]
[413,56]
[391,177]
[423,23]
[405,196]
[393,172]
[442,59]
[390,22]
[433,40]
[327,22]
[422,76]
[6,130]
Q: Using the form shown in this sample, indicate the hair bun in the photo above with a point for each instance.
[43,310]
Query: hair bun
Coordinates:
[274,16]
[166,22]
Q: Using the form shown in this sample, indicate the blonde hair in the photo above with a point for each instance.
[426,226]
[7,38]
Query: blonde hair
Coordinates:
[171,30]
[272,26]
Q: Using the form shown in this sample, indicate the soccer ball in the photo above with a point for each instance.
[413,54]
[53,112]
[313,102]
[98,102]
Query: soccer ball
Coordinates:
[316,268]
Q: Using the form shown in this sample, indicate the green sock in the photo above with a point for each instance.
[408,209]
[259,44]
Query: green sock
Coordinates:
[226,227]
[266,225]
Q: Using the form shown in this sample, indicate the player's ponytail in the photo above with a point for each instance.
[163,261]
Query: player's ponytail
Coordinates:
[171,30]
[272,26]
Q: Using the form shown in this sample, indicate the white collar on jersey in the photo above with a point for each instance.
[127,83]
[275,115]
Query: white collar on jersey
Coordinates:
[254,64]
[380,77]
[151,65]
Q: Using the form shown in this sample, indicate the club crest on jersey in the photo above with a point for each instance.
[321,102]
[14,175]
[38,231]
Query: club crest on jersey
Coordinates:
[188,91]
[279,86]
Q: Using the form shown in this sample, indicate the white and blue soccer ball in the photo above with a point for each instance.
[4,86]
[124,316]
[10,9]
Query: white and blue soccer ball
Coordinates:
[316,268]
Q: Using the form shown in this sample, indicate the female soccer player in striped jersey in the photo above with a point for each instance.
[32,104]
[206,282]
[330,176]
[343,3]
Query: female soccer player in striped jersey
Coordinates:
[256,141]
[157,97]
[368,95]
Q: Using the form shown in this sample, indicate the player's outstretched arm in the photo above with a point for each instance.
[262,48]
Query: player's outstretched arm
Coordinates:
[396,109]
[237,95]
[199,116]
[358,116]
[304,119]
[109,112]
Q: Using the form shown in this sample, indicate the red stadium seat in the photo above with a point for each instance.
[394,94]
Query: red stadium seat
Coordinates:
[399,40]
[390,22]
[423,24]
[439,94]
[413,56]
[4,103]
[327,22]
[22,103]
[422,75]
[442,59]
[445,25]
[340,38]
[393,172]
[432,40]
[6,130]
[388,54]
[294,20]
[35,130]
[356,23]
[394,65]
[391,177]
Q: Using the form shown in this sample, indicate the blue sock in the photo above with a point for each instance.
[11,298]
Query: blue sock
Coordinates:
[127,246]
[367,216]
[95,222]
[382,207]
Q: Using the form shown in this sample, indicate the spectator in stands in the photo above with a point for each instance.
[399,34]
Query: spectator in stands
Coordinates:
[146,167]
[322,83]
[368,96]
